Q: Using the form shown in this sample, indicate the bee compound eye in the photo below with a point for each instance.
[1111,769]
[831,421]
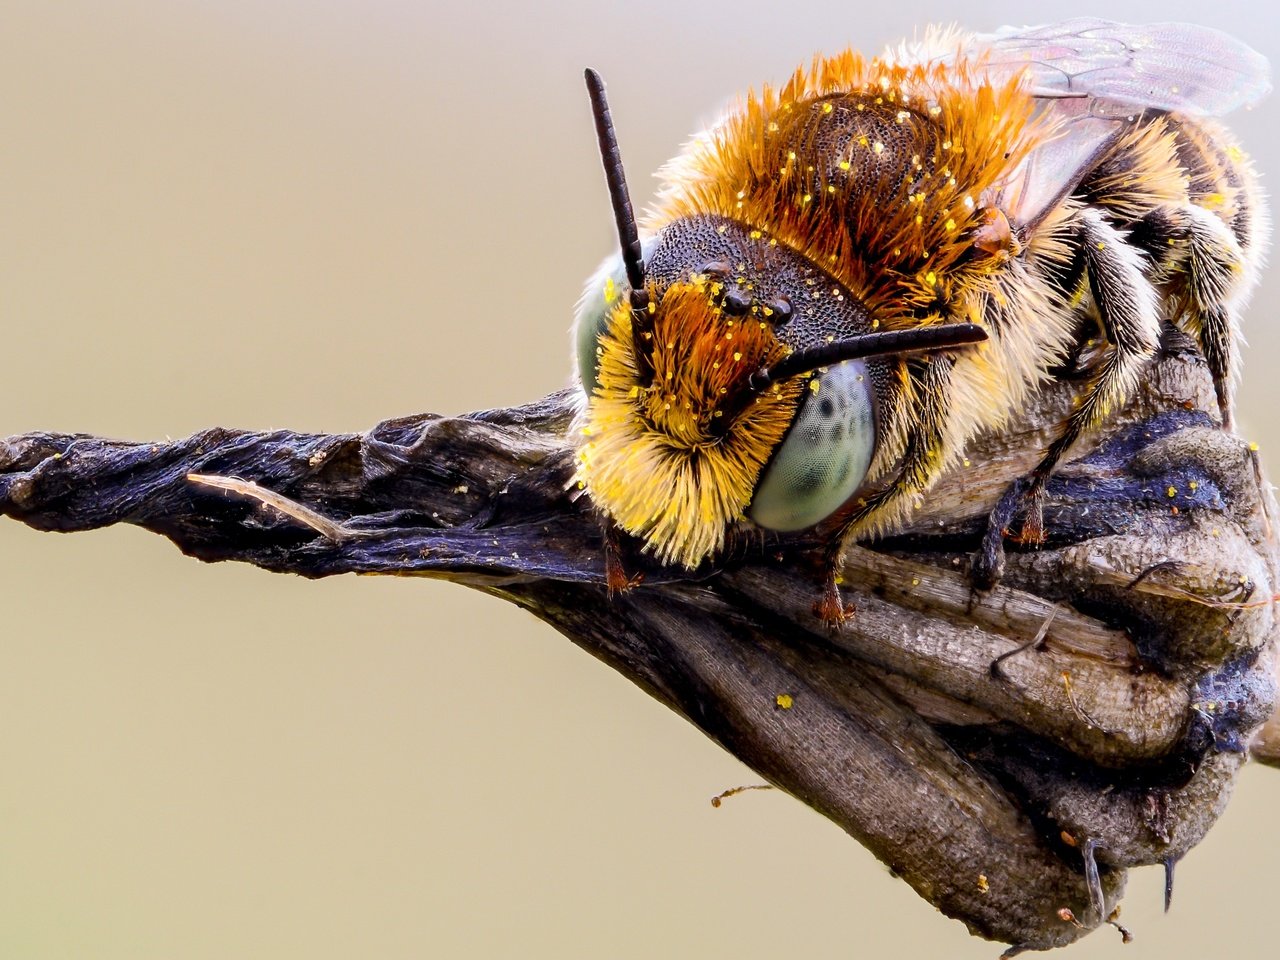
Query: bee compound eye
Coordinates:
[591,318]
[824,457]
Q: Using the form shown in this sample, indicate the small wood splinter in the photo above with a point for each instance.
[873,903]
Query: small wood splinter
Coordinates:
[1035,643]
[720,798]
[278,502]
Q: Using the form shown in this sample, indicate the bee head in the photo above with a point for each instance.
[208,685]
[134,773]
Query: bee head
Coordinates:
[676,432]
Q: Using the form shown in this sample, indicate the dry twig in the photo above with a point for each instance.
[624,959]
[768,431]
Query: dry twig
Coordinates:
[1012,799]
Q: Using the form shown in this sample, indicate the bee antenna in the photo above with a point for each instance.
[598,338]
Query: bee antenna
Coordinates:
[924,339]
[623,214]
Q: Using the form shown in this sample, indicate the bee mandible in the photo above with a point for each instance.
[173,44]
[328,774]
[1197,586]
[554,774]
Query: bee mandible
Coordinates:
[846,278]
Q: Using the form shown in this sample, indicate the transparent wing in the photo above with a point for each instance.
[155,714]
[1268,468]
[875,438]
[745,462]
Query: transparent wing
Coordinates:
[1093,77]
[1178,67]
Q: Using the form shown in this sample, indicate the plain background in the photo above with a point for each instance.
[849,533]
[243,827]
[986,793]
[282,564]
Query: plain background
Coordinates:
[320,214]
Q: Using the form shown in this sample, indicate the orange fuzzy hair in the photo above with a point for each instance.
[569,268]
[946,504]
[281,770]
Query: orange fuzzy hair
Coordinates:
[893,242]
[652,458]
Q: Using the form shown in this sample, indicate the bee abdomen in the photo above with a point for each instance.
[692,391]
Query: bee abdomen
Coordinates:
[1219,177]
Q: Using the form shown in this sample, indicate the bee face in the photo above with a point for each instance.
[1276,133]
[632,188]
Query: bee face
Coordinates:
[680,440]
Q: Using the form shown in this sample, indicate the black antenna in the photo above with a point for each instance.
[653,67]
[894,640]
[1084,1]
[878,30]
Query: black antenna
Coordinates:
[623,214]
[925,339]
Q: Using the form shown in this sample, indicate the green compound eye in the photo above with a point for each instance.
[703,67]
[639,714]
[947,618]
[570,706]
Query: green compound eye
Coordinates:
[592,314]
[824,457]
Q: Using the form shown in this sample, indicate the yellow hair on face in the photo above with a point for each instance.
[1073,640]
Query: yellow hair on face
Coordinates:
[651,458]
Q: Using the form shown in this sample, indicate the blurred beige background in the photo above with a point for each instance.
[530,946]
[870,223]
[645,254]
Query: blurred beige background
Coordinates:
[318,215]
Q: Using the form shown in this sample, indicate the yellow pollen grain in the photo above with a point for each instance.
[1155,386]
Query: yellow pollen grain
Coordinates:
[845,165]
[827,107]
[875,324]
[773,127]
[610,291]
[946,144]
[919,219]
[791,154]
[878,147]
[950,224]
[633,392]
[931,278]
[1254,447]
[806,198]
[756,234]
[737,355]
[831,189]
[863,141]
[784,701]
[1101,245]
[814,385]
[1171,492]
[902,115]
[1195,484]
[742,194]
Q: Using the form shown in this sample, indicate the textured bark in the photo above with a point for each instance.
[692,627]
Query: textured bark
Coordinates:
[1139,640]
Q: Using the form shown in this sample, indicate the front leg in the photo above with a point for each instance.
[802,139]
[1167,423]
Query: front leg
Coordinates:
[923,459]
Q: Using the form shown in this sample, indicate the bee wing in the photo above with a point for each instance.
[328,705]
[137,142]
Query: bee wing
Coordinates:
[1093,76]
[1178,67]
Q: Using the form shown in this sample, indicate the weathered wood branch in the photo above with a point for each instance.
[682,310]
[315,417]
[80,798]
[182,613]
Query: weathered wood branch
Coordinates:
[1134,653]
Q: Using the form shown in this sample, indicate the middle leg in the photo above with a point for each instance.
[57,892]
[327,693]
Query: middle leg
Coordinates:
[1128,311]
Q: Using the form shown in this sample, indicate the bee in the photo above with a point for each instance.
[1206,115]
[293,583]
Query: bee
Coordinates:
[847,277]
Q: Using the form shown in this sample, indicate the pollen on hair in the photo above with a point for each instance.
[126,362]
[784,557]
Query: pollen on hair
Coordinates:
[652,461]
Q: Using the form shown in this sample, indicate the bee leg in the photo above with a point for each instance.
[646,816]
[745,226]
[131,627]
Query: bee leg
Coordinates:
[1127,309]
[831,609]
[1215,268]
[923,458]
[616,579]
